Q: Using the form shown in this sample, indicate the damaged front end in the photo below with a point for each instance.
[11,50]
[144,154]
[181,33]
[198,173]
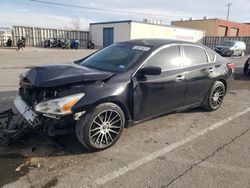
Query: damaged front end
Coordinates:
[30,113]
[45,100]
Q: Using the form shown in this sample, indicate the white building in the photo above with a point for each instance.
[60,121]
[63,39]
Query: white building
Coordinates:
[106,33]
[5,33]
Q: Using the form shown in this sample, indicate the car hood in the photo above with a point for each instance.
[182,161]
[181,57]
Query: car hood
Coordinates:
[63,74]
[221,46]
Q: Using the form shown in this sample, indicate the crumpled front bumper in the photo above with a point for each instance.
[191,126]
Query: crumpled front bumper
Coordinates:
[26,111]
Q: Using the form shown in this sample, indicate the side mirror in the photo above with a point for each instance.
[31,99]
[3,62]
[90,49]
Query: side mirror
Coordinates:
[151,70]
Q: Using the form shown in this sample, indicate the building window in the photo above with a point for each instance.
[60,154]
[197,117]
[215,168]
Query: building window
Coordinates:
[234,32]
[223,31]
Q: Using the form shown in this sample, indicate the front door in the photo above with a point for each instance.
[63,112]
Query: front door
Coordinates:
[108,36]
[159,94]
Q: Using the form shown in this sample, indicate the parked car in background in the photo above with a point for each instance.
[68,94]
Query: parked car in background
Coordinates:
[231,48]
[120,85]
[247,67]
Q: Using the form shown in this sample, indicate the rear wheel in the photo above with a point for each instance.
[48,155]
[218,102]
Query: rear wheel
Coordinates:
[102,128]
[215,97]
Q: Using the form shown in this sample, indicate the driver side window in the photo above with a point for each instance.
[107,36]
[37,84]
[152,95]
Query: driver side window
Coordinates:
[167,58]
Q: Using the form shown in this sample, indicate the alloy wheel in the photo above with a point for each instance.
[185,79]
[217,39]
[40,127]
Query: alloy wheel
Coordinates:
[105,128]
[217,96]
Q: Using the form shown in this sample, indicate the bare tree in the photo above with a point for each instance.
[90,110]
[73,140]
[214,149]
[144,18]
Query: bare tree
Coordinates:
[76,24]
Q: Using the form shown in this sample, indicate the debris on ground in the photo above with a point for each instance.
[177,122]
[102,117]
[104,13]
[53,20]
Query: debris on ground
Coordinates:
[32,163]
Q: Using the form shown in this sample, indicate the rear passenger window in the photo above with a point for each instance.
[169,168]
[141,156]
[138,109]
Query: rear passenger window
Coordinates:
[194,55]
[211,55]
[168,58]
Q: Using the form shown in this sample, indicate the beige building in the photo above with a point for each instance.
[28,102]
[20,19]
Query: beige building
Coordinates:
[5,33]
[216,27]
[106,33]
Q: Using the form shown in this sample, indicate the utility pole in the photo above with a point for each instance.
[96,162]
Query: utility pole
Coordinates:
[228,9]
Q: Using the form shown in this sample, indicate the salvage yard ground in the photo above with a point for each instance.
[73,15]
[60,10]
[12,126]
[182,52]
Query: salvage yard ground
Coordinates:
[194,148]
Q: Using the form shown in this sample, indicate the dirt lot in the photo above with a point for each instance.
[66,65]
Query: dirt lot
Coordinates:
[194,148]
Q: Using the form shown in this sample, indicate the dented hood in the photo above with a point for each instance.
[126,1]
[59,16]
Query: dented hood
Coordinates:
[63,74]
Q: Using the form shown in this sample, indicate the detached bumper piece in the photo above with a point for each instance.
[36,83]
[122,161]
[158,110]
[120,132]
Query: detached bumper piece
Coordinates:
[27,113]
[11,128]
[9,131]
[17,122]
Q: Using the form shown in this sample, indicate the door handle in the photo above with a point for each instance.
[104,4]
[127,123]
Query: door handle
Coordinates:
[179,78]
[211,69]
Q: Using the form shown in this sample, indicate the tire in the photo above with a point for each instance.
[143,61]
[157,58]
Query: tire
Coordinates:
[215,96]
[232,54]
[242,54]
[100,129]
[246,70]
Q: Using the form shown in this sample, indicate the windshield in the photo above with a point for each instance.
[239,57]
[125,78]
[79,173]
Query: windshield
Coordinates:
[116,58]
[228,43]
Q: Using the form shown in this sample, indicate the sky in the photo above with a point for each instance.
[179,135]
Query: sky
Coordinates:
[30,13]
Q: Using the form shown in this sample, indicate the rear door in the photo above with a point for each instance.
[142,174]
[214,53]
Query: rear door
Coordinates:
[200,72]
[159,94]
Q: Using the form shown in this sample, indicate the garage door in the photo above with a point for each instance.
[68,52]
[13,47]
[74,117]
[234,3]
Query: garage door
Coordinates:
[108,36]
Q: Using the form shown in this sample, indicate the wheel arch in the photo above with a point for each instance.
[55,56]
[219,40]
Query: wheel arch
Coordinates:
[224,82]
[124,108]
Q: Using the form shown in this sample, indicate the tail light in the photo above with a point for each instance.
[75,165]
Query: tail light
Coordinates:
[231,67]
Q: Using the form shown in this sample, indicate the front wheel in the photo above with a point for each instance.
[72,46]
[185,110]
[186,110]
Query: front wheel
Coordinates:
[215,97]
[102,128]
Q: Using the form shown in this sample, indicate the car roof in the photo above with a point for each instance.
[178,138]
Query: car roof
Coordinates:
[157,42]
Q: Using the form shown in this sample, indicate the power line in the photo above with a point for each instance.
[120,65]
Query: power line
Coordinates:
[102,9]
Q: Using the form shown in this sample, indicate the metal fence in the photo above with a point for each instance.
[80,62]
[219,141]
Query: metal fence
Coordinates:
[36,36]
[211,42]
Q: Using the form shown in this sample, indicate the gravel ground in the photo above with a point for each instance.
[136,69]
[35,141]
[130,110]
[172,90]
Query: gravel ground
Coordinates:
[194,148]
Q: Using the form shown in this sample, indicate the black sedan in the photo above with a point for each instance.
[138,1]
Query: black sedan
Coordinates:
[121,85]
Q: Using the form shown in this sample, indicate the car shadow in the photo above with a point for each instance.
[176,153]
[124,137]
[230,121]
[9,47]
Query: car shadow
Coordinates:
[239,74]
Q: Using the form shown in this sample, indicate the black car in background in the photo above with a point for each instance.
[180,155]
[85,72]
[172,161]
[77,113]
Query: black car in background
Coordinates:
[231,48]
[121,85]
[247,67]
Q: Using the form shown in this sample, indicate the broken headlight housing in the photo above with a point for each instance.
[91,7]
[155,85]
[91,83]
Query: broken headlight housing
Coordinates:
[59,106]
